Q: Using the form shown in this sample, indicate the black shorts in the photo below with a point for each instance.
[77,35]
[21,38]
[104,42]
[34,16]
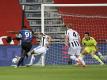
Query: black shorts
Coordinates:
[26,46]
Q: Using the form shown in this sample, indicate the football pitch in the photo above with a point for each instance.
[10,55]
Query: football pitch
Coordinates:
[55,72]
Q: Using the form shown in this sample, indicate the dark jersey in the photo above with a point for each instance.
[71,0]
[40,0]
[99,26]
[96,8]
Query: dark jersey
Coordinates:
[26,35]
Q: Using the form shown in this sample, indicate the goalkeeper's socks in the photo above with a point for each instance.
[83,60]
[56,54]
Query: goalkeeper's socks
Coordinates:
[100,55]
[97,58]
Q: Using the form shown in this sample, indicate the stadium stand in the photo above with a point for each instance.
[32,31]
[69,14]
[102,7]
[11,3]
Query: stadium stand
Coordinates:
[10,14]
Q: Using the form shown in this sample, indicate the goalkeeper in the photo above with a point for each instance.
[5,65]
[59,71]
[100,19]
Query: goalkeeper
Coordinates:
[90,47]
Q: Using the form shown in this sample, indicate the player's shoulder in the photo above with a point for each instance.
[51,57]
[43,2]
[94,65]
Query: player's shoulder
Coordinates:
[25,30]
[48,36]
[83,38]
[71,31]
[92,38]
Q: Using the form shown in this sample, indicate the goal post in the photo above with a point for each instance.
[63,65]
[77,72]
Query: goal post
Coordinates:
[84,17]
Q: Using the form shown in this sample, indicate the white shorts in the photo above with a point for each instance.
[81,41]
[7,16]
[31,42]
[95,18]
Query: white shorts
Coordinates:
[40,50]
[74,51]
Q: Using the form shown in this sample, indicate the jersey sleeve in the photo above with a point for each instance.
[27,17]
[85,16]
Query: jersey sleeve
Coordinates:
[67,34]
[94,41]
[83,42]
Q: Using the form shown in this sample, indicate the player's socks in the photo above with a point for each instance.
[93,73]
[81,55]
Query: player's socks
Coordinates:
[32,60]
[20,62]
[97,58]
[100,55]
[81,60]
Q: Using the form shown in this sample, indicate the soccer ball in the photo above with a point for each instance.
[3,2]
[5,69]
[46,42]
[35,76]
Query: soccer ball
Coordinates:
[14,60]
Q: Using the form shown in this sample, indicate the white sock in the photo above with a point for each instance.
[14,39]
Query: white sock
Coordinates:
[82,60]
[100,55]
[43,59]
[32,60]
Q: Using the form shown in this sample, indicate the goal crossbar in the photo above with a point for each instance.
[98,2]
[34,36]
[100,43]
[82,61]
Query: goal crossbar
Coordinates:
[78,5]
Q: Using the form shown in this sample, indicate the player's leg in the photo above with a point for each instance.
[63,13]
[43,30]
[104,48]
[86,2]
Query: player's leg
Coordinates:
[42,59]
[74,55]
[25,49]
[93,51]
[28,48]
[69,60]
[100,55]
[93,54]
[36,51]
[81,60]
[80,57]
[42,52]
[20,62]
[32,60]
[71,53]
[84,52]
[70,56]
[32,54]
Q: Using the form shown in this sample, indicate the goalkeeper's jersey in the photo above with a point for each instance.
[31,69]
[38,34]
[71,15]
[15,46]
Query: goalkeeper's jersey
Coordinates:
[90,42]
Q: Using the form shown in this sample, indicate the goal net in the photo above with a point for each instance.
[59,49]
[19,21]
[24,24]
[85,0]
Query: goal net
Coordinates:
[90,18]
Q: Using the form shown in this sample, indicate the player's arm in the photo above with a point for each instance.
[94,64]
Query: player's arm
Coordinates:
[66,40]
[94,41]
[9,39]
[83,43]
[49,41]
[79,39]
[36,33]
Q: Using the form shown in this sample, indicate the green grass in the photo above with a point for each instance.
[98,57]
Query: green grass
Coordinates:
[58,72]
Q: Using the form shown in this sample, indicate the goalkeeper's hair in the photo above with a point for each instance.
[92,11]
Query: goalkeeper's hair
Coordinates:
[87,33]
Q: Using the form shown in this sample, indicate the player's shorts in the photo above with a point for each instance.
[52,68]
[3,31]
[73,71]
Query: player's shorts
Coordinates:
[26,46]
[90,49]
[40,50]
[74,51]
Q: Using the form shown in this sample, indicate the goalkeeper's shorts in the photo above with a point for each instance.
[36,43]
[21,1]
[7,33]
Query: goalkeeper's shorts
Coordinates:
[90,49]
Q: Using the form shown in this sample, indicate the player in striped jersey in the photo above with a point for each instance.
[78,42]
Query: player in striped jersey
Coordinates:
[72,40]
[41,49]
